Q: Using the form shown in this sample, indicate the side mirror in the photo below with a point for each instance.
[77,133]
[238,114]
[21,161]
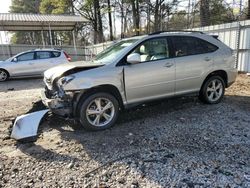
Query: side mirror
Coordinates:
[134,58]
[14,60]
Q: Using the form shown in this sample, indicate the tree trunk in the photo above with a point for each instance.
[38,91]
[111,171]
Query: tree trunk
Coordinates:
[122,19]
[95,24]
[156,15]
[99,21]
[110,22]
[204,13]
[248,10]
[136,16]
[148,17]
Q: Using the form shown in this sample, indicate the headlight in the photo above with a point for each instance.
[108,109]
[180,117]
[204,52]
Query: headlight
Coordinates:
[65,80]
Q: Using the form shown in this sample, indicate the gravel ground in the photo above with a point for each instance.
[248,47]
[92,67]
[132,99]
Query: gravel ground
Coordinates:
[173,143]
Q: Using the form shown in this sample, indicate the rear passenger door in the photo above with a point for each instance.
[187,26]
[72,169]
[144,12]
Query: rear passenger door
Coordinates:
[45,60]
[193,58]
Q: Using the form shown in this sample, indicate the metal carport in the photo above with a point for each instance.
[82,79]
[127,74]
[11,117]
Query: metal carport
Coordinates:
[40,22]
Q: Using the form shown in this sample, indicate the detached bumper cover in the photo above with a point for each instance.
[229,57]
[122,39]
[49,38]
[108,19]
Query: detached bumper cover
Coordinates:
[26,126]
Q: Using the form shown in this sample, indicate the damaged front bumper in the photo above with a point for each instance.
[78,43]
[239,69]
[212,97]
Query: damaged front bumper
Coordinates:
[59,105]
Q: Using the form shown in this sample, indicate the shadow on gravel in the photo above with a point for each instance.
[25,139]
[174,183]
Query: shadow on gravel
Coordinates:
[21,84]
[169,127]
[41,153]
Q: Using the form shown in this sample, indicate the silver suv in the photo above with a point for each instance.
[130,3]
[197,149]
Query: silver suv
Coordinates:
[137,70]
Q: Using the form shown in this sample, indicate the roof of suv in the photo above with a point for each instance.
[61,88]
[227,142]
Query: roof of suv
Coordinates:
[175,31]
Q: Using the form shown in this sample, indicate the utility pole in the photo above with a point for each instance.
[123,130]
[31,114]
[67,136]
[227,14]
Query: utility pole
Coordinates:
[188,16]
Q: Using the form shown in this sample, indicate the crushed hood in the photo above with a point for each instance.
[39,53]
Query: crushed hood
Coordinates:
[68,68]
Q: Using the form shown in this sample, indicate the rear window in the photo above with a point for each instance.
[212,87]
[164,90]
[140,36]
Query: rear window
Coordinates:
[191,46]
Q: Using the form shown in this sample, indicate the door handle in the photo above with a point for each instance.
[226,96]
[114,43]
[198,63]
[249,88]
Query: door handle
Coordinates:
[207,59]
[168,65]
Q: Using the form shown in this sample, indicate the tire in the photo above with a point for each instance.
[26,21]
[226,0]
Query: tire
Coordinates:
[212,91]
[4,75]
[92,113]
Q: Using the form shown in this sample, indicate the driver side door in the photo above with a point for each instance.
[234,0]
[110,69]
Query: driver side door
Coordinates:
[154,76]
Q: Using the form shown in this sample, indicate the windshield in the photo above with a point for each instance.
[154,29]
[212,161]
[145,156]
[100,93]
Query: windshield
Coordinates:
[113,51]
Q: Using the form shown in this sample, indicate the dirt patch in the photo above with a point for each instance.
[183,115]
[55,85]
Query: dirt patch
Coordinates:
[174,143]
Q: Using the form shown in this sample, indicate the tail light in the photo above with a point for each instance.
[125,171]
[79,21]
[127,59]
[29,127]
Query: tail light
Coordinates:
[67,56]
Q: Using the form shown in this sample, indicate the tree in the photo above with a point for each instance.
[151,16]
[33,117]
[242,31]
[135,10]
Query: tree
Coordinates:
[204,12]
[25,6]
[178,21]
[136,15]
[220,12]
[91,10]
[110,21]
[55,6]
[248,10]
[98,17]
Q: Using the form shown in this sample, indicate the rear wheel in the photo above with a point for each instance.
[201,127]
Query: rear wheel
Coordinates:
[212,90]
[99,111]
[3,75]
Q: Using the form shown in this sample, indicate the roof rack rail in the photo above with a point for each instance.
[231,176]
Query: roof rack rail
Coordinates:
[169,31]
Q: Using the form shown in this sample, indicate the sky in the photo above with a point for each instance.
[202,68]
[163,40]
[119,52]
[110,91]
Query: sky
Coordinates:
[4,8]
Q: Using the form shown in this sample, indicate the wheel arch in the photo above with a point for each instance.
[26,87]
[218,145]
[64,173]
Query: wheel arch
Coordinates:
[221,73]
[5,71]
[8,74]
[107,88]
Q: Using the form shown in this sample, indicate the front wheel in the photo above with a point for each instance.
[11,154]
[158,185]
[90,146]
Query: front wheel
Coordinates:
[99,111]
[3,75]
[212,90]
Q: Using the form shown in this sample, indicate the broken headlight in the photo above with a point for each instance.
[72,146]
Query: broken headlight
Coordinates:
[65,80]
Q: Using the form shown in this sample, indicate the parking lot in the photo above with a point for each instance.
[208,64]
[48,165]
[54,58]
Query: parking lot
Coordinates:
[173,143]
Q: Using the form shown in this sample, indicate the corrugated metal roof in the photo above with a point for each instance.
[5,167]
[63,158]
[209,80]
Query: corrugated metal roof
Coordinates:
[40,18]
[17,22]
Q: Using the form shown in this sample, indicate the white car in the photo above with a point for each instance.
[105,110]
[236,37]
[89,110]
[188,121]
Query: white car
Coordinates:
[32,63]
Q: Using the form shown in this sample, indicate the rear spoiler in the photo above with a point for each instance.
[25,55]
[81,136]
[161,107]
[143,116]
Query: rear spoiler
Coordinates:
[215,36]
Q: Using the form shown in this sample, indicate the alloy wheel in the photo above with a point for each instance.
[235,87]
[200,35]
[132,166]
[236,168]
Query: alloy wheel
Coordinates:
[100,112]
[3,75]
[214,90]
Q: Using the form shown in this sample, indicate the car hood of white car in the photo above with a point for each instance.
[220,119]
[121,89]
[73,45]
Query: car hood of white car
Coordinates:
[60,70]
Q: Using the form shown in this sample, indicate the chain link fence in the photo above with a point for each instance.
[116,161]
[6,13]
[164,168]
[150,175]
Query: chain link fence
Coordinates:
[76,53]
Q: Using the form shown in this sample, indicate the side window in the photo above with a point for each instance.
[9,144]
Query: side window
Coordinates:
[43,55]
[55,54]
[153,49]
[191,46]
[26,57]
